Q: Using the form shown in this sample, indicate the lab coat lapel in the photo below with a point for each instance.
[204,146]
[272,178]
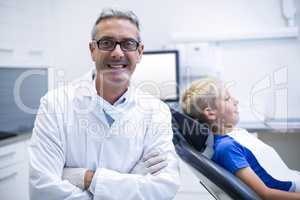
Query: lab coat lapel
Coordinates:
[87,101]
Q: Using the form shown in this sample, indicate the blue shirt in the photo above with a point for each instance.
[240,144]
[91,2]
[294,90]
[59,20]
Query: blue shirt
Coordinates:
[233,156]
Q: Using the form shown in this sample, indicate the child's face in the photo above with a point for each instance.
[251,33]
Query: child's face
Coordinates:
[225,113]
[227,109]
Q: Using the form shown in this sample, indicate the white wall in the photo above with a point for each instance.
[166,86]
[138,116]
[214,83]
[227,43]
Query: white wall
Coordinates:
[71,23]
[61,29]
[287,145]
[23,32]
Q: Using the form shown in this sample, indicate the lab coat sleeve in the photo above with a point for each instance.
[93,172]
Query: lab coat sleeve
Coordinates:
[47,158]
[112,185]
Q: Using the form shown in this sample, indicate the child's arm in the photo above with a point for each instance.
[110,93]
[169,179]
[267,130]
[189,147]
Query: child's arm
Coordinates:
[248,176]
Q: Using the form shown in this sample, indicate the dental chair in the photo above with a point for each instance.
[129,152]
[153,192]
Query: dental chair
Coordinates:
[193,144]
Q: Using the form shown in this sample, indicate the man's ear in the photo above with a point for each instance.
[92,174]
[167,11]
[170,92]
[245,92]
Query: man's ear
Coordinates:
[210,114]
[92,50]
[140,52]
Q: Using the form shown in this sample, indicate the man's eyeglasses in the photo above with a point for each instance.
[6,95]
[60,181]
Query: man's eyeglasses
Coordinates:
[108,44]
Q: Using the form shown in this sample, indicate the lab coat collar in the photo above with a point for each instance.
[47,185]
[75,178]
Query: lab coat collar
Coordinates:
[84,86]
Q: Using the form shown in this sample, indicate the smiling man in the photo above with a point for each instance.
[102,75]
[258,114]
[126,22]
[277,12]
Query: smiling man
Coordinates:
[116,49]
[95,138]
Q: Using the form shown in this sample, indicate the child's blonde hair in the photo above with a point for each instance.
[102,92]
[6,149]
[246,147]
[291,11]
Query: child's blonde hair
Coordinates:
[200,95]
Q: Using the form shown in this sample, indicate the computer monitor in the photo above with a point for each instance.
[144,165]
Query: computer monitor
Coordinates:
[20,91]
[158,74]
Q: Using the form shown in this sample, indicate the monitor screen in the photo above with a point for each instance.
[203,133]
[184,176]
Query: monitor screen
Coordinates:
[158,74]
[20,93]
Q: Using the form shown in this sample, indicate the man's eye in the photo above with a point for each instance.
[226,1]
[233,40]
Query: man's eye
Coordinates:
[227,98]
[129,43]
[106,43]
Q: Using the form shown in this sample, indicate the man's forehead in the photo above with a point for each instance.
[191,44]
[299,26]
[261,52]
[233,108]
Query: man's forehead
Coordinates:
[117,27]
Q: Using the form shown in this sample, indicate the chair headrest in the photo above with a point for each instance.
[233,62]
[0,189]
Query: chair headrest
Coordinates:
[194,132]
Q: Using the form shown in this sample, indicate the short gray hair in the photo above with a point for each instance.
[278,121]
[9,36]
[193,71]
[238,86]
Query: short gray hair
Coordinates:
[109,13]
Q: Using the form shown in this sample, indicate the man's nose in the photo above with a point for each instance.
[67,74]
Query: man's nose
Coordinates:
[117,53]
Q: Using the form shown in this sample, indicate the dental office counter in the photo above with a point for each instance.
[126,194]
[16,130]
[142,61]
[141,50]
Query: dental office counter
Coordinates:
[272,127]
[15,139]
[14,174]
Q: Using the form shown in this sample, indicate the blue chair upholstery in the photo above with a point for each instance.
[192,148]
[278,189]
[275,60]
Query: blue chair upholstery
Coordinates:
[190,142]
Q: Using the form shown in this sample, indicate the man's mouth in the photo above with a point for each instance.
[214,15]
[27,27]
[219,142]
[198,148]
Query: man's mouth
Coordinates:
[117,66]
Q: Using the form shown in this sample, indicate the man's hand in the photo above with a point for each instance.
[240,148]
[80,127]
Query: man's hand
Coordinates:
[152,163]
[88,177]
[80,177]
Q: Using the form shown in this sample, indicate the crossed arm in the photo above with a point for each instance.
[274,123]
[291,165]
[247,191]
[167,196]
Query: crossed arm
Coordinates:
[151,163]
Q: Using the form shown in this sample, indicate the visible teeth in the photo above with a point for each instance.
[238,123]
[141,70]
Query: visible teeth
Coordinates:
[116,66]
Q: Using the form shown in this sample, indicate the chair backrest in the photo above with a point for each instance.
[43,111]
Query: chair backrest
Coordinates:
[218,181]
[193,132]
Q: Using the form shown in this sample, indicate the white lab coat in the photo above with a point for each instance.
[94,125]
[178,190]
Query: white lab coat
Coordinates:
[70,131]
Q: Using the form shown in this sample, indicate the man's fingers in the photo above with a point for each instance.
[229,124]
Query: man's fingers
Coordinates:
[150,155]
[154,160]
[155,169]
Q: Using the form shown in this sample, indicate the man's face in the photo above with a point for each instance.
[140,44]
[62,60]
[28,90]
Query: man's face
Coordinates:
[116,66]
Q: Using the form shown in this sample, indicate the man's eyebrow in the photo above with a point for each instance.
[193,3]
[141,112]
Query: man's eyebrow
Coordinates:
[106,37]
[122,39]
[130,38]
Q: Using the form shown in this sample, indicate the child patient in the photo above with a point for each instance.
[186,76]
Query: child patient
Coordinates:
[208,101]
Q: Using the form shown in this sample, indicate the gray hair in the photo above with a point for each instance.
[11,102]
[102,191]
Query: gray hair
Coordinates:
[109,13]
